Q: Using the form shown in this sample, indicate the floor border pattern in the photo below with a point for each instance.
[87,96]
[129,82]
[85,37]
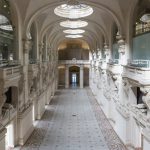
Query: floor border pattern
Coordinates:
[36,138]
[111,137]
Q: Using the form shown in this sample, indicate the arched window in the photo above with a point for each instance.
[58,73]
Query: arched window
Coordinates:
[7,53]
[6,39]
[141,36]
[115,54]
[142,18]
[143,24]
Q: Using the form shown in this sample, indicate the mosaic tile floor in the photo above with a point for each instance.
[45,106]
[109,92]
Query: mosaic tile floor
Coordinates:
[73,121]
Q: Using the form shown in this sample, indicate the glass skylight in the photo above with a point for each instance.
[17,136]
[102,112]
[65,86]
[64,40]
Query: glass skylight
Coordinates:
[74,36]
[3,20]
[5,24]
[145,18]
[75,31]
[73,24]
[6,27]
[73,10]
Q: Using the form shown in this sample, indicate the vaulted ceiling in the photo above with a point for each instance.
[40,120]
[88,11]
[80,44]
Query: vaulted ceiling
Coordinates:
[99,30]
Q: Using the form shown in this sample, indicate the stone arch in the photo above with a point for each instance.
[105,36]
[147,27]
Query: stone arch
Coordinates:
[97,5]
[17,23]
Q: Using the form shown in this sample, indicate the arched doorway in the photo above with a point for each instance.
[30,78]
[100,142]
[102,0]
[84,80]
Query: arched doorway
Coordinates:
[74,76]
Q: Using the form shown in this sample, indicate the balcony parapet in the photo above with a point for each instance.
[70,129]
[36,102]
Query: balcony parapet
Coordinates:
[32,61]
[74,62]
[33,69]
[140,115]
[113,61]
[8,113]
[123,109]
[139,63]
[11,71]
[114,68]
[140,75]
[102,64]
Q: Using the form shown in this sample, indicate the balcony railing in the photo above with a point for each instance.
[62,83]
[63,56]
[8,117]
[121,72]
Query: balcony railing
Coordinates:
[32,61]
[102,64]
[142,29]
[86,62]
[113,61]
[10,70]
[138,74]
[8,112]
[139,63]
[9,63]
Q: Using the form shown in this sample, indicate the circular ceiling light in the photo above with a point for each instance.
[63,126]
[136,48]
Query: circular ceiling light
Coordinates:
[73,24]
[6,27]
[73,10]
[76,31]
[145,18]
[74,36]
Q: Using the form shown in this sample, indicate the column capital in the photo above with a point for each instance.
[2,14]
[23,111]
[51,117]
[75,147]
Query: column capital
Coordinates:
[121,43]
[146,97]
[106,48]
[27,45]
[81,67]
[41,46]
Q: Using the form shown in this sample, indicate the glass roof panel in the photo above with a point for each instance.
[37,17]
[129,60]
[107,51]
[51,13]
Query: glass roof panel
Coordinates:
[3,20]
[73,24]
[73,10]
[145,18]
[6,27]
[74,36]
[75,31]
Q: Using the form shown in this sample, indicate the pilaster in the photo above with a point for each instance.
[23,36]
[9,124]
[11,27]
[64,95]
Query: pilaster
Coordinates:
[81,76]
[67,77]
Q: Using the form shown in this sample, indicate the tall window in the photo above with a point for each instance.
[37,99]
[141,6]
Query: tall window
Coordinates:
[6,39]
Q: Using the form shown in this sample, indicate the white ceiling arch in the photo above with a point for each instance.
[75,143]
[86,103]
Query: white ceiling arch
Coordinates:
[33,17]
[59,38]
[99,30]
[60,32]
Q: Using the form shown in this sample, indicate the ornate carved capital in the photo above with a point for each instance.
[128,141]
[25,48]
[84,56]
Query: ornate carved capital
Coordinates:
[41,46]
[107,51]
[121,43]
[146,97]
[27,45]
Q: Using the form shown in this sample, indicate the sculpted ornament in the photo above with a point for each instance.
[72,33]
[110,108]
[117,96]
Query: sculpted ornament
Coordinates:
[27,45]
[121,43]
[146,97]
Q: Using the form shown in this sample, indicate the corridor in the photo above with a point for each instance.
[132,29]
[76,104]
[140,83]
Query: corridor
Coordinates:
[73,121]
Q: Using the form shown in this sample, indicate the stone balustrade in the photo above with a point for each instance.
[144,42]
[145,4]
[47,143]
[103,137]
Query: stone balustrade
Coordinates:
[102,64]
[74,62]
[141,75]
[114,68]
[10,72]
[8,113]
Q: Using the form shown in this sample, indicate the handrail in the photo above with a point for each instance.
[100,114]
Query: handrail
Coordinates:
[32,61]
[139,63]
[142,30]
[73,61]
[7,63]
[114,61]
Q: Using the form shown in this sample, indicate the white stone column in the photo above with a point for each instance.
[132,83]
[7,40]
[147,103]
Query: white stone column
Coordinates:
[2,137]
[81,76]
[27,48]
[107,53]
[121,50]
[67,77]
